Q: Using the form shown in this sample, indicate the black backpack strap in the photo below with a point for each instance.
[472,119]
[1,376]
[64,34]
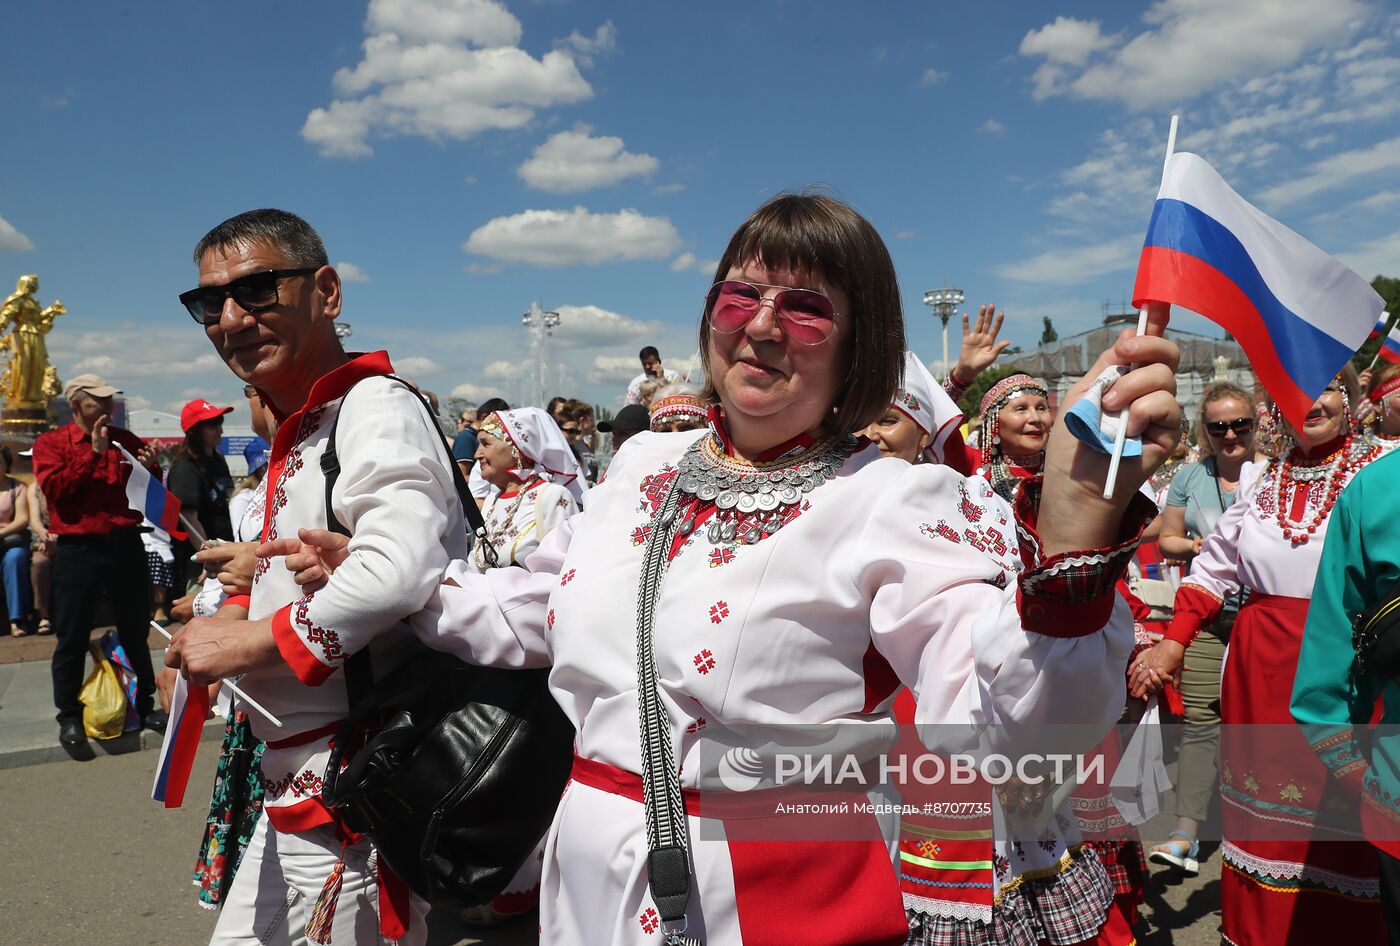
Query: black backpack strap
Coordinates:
[359,672]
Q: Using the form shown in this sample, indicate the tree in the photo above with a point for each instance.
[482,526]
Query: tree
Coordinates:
[1048,333]
[1388,288]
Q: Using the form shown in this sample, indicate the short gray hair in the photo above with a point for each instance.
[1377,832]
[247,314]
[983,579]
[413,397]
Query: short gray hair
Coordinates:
[286,231]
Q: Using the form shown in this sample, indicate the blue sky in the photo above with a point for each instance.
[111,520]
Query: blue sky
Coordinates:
[468,156]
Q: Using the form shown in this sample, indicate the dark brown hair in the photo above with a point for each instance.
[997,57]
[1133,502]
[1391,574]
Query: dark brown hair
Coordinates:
[7,455]
[815,233]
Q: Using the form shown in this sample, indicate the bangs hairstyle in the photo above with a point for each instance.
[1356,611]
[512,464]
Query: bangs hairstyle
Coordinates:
[819,235]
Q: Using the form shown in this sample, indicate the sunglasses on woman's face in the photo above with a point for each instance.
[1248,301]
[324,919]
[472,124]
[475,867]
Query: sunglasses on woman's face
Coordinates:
[1240,425]
[253,293]
[807,316]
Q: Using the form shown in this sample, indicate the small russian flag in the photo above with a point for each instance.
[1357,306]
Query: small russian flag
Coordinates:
[1298,313]
[1390,348]
[189,708]
[1380,325]
[146,495]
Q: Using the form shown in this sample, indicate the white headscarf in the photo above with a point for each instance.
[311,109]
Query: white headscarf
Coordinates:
[925,402]
[543,449]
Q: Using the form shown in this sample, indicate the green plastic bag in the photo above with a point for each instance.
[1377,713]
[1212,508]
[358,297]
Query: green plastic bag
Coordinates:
[104,700]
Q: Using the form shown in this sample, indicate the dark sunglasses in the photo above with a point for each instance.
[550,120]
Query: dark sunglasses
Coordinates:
[253,293]
[1240,425]
[807,316]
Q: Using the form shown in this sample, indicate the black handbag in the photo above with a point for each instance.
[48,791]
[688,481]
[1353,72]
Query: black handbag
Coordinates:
[1375,636]
[455,771]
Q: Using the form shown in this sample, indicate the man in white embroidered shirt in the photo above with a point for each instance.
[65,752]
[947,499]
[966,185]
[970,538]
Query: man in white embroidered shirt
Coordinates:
[267,300]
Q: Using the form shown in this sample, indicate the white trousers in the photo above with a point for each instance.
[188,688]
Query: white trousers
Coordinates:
[280,878]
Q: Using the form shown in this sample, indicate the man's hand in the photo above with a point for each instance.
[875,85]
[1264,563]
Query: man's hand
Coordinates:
[980,347]
[233,563]
[102,434]
[312,556]
[209,649]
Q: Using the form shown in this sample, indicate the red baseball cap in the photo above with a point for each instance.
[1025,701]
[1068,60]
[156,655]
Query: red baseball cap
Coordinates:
[198,411]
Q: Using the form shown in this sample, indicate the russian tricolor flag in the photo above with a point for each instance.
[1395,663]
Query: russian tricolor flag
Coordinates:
[1379,329]
[148,496]
[1390,348]
[189,708]
[1298,313]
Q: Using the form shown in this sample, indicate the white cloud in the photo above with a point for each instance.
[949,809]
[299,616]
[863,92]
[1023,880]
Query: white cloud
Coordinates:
[664,189]
[620,368]
[591,327]
[416,366]
[503,371]
[1065,267]
[603,40]
[351,273]
[1188,47]
[1378,257]
[574,237]
[1066,41]
[474,393]
[906,234]
[572,161]
[440,69]
[991,127]
[687,261]
[1336,171]
[932,77]
[11,240]
[136,402]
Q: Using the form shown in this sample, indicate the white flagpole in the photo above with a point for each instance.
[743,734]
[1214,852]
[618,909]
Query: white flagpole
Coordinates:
[1385,317]
[233,689]
[1122,436]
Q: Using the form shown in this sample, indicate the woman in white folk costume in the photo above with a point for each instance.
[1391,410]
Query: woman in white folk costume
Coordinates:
[1384,393]
[1286,878]
[921,424]
[790,578]
[524,455]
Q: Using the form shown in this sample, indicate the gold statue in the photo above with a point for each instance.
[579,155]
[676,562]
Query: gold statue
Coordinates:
[29,381]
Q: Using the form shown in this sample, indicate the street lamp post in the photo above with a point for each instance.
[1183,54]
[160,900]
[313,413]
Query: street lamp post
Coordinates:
[944,303]
[539,328]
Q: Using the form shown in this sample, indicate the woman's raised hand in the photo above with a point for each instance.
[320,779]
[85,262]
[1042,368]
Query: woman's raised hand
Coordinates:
[980,347]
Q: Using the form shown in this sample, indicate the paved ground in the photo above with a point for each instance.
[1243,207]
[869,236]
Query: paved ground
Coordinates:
[88,858]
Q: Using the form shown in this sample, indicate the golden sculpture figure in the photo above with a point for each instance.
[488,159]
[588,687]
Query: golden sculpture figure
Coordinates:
[29,381]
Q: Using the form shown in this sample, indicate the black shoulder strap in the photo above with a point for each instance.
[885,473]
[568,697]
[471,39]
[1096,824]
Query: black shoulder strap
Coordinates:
[359,672]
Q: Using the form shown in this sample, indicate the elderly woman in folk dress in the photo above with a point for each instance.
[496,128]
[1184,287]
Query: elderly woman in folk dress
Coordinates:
[524,455]
[770,570]
[1287,878]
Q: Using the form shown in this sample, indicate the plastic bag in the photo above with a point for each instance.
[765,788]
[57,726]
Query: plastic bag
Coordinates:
[104,700]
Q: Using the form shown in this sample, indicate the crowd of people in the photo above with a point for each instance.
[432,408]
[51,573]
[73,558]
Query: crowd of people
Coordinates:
[806,531]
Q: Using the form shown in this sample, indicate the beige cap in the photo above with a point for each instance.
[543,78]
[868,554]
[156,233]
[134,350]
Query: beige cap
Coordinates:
[90,384]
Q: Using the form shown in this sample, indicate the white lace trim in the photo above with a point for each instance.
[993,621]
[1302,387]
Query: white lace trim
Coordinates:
[948,909]
[1306,873]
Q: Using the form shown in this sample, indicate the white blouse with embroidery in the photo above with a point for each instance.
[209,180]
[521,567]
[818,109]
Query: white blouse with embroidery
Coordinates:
[913,568]
[517,521]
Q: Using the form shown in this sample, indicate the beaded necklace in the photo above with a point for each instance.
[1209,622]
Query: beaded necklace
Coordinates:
[1330,472]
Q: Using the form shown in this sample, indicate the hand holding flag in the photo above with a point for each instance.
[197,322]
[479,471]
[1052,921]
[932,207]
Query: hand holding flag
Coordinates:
[1298,313]
[146,495]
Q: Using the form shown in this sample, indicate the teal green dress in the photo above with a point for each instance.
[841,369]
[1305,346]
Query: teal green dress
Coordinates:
[1360,564]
